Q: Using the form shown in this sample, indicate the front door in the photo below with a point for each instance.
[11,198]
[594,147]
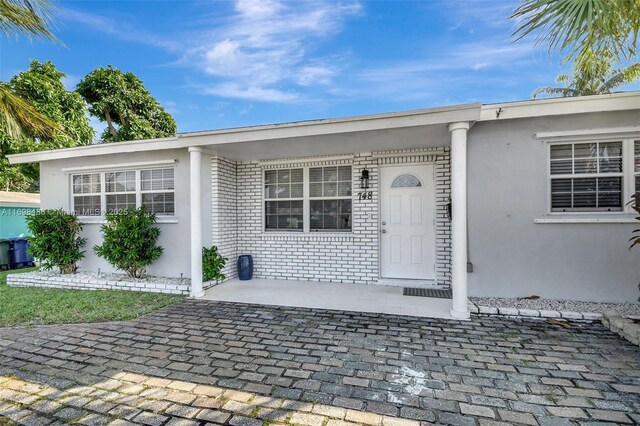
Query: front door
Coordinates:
[407,224]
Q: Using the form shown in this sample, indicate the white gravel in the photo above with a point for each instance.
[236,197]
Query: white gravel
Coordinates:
[626,309]
[113,277]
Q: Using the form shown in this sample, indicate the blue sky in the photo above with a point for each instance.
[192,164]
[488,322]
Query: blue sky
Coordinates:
[217,64]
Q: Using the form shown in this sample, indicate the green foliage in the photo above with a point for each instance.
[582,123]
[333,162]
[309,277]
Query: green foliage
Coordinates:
[56,239]
[121,100]
[41,88]
[593,74]
[579,27]
[33,306]
[28,17]
[212,264]
[130,241]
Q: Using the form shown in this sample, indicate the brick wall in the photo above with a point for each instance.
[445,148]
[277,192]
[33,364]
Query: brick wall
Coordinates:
[340,257]
[223,210]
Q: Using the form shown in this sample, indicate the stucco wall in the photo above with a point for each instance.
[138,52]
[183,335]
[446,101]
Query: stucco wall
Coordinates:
[514,257]
[55,193]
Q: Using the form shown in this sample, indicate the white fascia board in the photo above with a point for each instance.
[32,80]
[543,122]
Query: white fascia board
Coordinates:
[561,106]
[444,115]
[96,150]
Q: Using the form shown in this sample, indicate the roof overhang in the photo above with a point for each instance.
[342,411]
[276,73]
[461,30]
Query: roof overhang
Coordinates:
[281,132]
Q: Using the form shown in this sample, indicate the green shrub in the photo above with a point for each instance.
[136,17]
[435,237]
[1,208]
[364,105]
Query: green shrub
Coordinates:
[56,239]
[212,264]
[130,241]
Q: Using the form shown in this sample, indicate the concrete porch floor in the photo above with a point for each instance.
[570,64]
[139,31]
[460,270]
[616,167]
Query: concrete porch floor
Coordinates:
[334,296]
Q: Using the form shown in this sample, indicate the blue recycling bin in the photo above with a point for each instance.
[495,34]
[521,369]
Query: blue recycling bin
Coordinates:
[19,254]
[245,267]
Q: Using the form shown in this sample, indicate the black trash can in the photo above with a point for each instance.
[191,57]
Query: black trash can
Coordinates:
[245,267]
[18,253]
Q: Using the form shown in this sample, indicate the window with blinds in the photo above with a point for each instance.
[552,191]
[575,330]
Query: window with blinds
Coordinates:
[586,176]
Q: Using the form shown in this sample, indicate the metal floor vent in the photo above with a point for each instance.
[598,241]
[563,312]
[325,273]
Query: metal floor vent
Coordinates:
[427,292]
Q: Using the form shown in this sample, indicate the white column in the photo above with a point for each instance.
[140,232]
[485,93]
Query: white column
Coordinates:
[459,308]
[195,195]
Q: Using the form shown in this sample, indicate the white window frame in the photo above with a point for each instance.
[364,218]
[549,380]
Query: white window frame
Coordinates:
[306,201]
[103,186]
[628,183]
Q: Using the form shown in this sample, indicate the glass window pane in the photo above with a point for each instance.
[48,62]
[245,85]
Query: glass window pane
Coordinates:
[283,191]
[270,177]
[296,190]
[611,165]
[160,204]
[610,199]
[610,149]
[119,202]
[284,176]
[584,199]
[561,151]
[330,174]
[296,176]
[584,185]
[330,189]
[315,174]
[563,167]
[610,184]
[585,166]
[316,207]
[344,173]
[561,200]
[406,181]
[315,190]
[87,205]
[296,208]
[344,189]
[582,150]
[561,185]
[270,191]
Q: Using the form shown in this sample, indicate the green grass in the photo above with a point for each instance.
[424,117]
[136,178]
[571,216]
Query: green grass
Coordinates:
[34,306]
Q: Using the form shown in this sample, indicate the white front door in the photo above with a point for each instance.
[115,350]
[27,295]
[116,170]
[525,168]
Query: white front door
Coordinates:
[407,224]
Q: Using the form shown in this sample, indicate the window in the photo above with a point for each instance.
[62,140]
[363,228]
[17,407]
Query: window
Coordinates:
[406,181]
[308,199]
[120,189]
[330,195]
[97,193]
[86,194]
[283,194]
[158,191]
[586,176]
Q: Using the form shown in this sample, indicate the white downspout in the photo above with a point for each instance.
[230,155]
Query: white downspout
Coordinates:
[195,196]
[459,308]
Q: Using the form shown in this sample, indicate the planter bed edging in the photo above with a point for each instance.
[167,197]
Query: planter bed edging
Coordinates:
[534,313]
[625,327]
[82,281]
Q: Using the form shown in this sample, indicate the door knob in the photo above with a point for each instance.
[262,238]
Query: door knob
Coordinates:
[384,231]
[384,223]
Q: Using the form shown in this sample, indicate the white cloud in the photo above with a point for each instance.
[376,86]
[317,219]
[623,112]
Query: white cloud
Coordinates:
[268,44]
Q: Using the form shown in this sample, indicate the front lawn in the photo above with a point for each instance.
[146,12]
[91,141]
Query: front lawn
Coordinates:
[32,306]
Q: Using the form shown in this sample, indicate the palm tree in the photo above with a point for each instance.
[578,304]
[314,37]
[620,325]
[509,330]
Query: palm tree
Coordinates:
[593,74]
[18,118]
[581,26]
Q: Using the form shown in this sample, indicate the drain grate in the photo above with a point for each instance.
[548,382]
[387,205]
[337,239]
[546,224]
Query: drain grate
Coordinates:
[427,292]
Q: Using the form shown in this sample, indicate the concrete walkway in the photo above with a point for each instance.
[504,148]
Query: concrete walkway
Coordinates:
[318,295]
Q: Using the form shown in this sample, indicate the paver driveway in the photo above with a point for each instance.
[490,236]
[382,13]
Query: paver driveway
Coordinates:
[249,365]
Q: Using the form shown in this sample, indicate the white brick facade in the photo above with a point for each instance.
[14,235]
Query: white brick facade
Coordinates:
[89,281]
[333,257]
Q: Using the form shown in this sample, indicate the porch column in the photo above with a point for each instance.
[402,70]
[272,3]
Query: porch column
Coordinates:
[459,308]
[195,195]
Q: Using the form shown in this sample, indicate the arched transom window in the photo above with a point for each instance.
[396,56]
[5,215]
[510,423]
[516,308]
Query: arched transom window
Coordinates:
[406,181]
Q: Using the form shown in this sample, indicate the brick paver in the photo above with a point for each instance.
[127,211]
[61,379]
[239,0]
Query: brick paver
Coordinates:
[201,362]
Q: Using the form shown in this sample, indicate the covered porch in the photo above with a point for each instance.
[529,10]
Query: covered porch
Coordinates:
[330,296]
[360,143]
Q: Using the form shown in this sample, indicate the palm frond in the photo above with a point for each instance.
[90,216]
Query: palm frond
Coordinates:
[580,25]
[624,76]
[564,92]
[19,119]
[29,17]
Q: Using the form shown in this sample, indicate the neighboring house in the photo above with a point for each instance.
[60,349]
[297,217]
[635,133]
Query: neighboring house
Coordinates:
[14,208]
[537,192]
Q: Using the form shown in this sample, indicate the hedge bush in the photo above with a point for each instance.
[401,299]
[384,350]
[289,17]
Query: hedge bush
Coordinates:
[56,240]
[130,241]
[212,264]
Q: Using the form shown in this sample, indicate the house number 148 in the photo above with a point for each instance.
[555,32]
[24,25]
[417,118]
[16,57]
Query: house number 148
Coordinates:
[365,195]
